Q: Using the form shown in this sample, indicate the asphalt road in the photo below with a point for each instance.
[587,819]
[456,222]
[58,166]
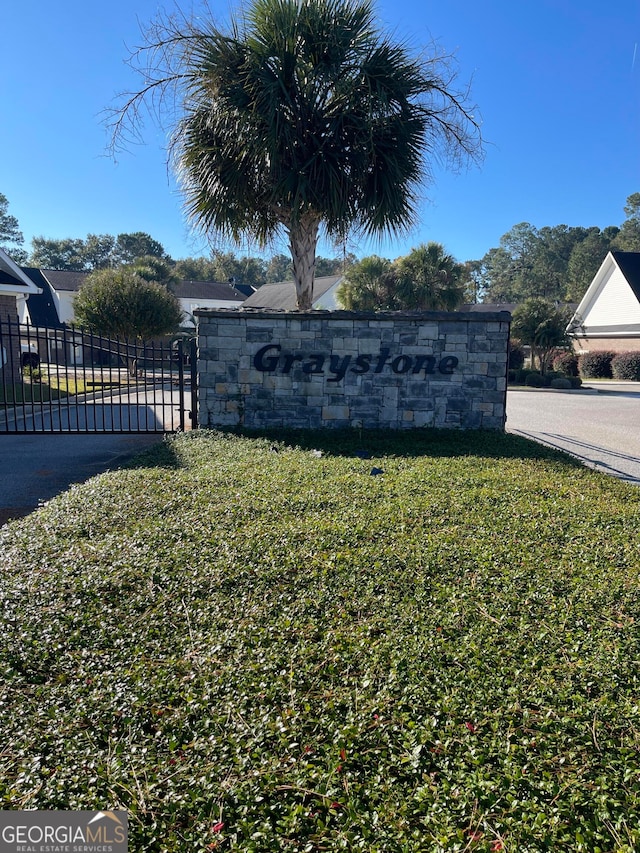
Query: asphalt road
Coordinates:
[35,468]
[146,408]
[600,425]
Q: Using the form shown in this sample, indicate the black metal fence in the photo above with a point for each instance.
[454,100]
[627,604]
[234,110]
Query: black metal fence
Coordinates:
[67,380]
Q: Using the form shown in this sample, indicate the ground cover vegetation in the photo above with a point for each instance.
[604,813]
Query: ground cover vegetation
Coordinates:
[418,642]
[41,385]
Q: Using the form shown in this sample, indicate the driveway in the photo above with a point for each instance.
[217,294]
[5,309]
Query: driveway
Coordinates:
[35,468]
[600,424]
[147,408]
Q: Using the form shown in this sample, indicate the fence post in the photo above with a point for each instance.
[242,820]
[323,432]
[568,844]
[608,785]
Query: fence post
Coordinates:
[193,360]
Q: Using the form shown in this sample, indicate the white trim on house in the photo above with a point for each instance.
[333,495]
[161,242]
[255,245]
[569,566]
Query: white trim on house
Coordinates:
[23,284]
[611,305]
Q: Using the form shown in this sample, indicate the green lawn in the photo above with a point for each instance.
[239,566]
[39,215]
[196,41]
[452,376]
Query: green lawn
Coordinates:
[43,391]
[257,646]
[53,387]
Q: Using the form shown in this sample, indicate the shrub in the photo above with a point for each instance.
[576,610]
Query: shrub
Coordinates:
[626,366]
[566,363]
[596,364]
[562,383]
[576,382]
[32,373]
[548,377]
[516,355]
[522,373]
[534,380]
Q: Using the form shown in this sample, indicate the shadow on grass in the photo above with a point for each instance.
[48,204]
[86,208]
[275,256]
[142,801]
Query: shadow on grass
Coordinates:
[407,443]
[161,455]
[367,444]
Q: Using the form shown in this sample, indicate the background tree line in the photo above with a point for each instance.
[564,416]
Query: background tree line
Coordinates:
[555,263]
[105,251]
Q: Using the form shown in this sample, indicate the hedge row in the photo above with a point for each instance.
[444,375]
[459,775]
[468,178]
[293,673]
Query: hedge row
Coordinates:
[626,365]
[550,379]
[566,363]
[604,364]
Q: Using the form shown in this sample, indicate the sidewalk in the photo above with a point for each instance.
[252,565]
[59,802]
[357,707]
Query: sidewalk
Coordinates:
[602,386]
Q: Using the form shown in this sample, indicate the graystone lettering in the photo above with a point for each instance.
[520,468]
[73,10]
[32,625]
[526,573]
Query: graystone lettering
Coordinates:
[428,362]
[267,364]
[401,363]
[382,358]
[339,367]
[315,364]
[363,364]
[270,358]
[448,364]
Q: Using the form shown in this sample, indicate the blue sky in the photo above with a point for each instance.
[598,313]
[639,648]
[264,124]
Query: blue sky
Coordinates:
[556,82]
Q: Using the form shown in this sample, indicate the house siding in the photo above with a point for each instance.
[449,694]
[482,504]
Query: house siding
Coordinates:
[615,304]
[608,316]
[9,361]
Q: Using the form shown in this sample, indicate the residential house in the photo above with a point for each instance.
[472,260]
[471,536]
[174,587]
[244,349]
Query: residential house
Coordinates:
[15,289]
[59,289]
[51,311]
[608,316]
[281,295]
[206,294]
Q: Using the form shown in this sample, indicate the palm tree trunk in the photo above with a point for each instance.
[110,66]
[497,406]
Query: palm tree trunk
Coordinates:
[303,238]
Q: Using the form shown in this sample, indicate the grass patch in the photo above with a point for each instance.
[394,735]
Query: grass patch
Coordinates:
[52,387]
[42,391]
[255,644]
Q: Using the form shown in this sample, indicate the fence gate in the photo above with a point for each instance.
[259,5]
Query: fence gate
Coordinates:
[65,380]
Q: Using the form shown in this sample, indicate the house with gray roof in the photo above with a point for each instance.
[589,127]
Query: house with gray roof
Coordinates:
[16,289]
[281,295]
[53,308]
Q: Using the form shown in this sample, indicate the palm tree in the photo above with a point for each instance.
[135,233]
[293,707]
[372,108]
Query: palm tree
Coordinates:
[369,285]
[301,116]
[544,327]
[429,279]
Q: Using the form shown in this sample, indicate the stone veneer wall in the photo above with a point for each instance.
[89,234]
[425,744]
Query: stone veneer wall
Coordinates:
[261,369]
